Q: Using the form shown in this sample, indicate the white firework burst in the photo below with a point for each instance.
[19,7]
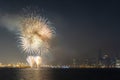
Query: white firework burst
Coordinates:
[35,33]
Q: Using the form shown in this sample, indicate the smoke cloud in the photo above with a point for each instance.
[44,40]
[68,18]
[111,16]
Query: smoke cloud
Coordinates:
[11,22]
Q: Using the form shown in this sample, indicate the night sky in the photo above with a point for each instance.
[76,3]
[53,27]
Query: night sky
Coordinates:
[82,29]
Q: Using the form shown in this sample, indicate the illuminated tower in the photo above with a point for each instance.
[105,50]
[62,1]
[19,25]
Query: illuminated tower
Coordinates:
[100,57]
[74,62]
[104,58]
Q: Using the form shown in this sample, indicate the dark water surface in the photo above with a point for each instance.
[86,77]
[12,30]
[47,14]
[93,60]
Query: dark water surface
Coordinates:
[59,74]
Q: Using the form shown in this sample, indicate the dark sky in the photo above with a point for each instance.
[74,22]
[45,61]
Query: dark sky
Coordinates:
[82,28]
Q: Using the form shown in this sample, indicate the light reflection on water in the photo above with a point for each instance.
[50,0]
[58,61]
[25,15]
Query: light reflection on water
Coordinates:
[34,74]
[59,74]
[25,74]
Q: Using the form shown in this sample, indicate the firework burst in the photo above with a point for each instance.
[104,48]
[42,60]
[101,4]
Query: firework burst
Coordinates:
[35,33]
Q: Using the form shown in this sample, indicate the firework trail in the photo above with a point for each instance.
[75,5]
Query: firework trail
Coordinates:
[34,61]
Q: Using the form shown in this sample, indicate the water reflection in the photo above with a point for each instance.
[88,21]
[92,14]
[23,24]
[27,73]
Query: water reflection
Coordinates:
[34,74]
[59,74]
